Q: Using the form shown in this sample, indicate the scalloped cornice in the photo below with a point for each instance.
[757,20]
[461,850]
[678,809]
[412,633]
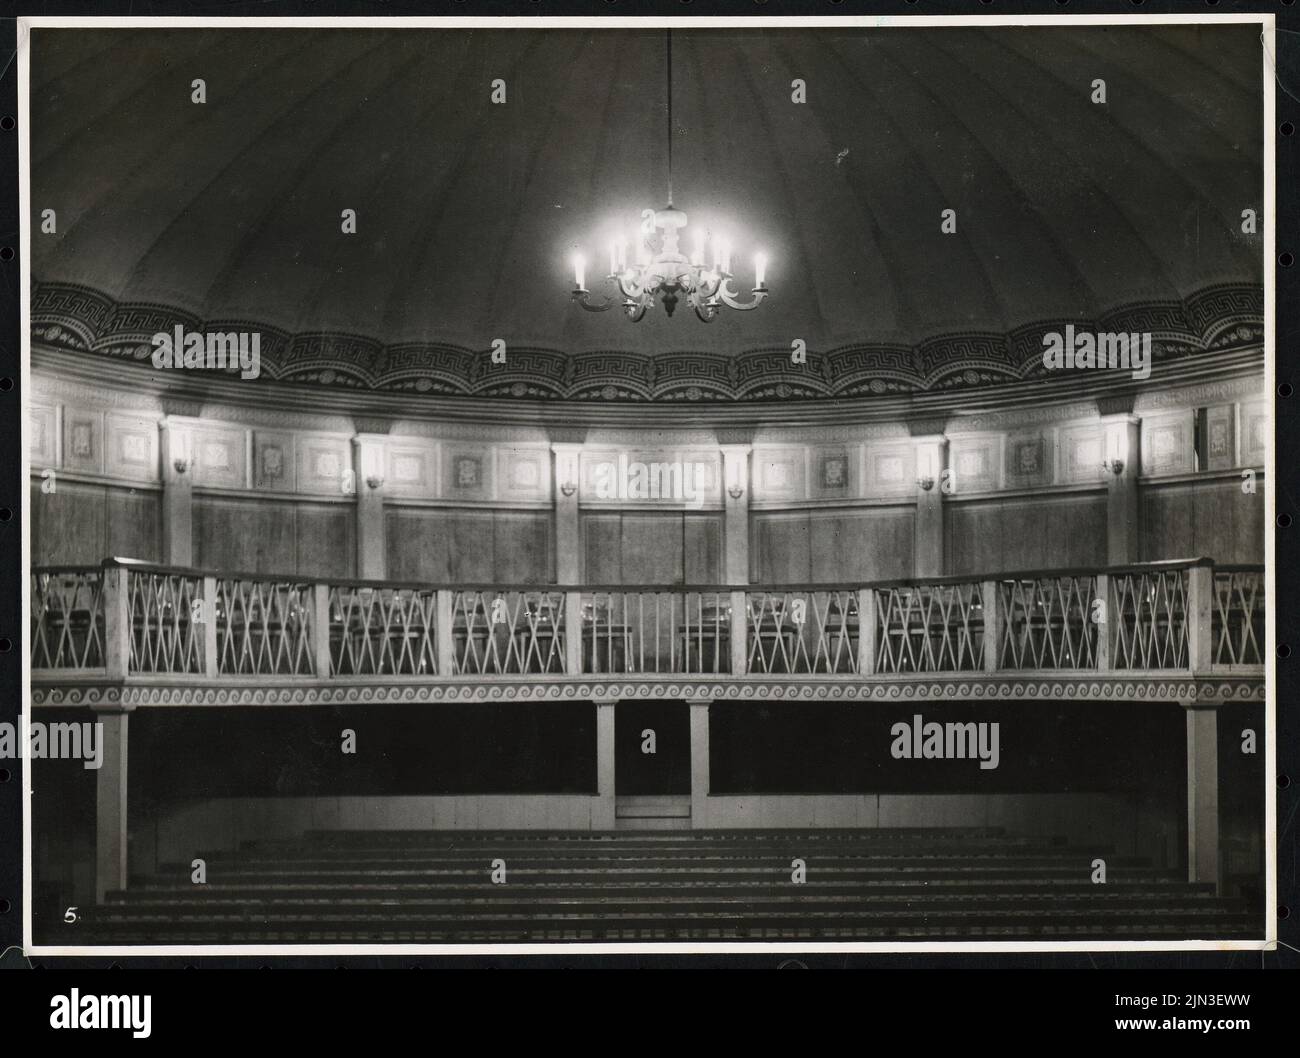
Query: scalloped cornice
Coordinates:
[1224,317]
[80,378]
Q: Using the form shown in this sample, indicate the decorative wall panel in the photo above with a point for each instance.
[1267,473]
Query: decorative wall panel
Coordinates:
[131,450]
[835,473]
[1252,444]
[523,474]
[1219,437]
[1167,444]
[412,468]
[325,465]
[975,462]
[467,472]
[274,461]
[1081,453]
[83,440]
[689,477]
[890,469]
[779,474]
[42,436]
[219,456]
[1028,460]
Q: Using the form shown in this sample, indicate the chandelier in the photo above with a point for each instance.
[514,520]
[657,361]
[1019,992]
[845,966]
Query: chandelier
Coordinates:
[660,271]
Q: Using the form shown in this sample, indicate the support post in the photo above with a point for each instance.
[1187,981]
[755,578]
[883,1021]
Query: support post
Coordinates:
[1103,619]
[736,478]
[573,632]
[568,557]
[444,629]
[320,629]
[993,616]
[931,462]
[1200,609]
[738,633]
[1203,859]
[1123,464]
[699,765]
[867,631]
[110,805]
[368,480]
[117,622]
[602,808]
[177,493]
[211,662]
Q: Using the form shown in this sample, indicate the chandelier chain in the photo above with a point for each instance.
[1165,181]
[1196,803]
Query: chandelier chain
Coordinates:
[668,40]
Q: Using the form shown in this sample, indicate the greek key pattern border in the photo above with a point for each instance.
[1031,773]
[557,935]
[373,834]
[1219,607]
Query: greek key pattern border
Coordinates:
[1226,316]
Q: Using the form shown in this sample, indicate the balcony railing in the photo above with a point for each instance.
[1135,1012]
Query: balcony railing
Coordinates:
[132,620]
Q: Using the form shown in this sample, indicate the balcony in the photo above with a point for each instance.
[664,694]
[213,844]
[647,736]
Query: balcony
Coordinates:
[124,634]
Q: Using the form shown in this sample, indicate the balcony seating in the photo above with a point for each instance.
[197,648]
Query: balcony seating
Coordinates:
[894,884]
[607,644]
[705,642]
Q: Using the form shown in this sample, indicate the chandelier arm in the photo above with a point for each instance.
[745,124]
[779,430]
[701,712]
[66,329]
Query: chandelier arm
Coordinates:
[582,298]
[730,299]
[635,310]
[704,298]
[708,290]
[629,288]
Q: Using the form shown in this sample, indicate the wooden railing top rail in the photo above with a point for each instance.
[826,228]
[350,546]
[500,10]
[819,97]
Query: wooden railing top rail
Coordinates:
[73,569]
[1165,565]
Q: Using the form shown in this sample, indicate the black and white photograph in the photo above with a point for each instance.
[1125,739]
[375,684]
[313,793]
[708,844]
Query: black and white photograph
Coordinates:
[595,485]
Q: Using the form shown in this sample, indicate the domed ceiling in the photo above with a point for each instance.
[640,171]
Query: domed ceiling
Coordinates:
[1126,213]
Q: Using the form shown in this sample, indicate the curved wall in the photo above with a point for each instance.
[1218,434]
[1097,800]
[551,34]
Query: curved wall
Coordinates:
[280,481]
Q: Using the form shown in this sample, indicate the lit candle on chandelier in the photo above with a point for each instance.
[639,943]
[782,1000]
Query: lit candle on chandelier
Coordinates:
[697,255]
[613,257]
[726,256]
[579,271]
[760,269]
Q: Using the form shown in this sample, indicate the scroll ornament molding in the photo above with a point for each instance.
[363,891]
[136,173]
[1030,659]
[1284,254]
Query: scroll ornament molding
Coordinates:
[1220,317]
[1179,690]
[1223,391]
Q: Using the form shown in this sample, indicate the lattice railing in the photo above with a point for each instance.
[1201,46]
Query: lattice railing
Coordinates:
[500,632]
[167,614]
[929,628]
[806,631]
[126,620]
[1147,619]
[1237,617]
[377,631]
[1049,622]
[264,627]
[67,619]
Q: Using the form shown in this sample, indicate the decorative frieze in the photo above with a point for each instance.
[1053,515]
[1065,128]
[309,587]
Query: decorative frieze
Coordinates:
[1221,317]
[885,689]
